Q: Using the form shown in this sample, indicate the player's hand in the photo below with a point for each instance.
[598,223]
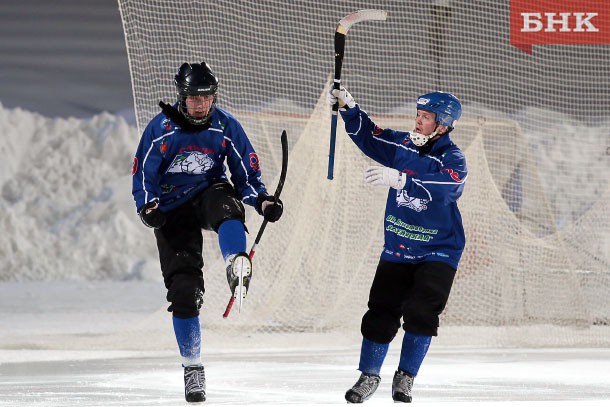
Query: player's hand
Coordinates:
[151,215]
[268,207]
[341,96]
[378,175]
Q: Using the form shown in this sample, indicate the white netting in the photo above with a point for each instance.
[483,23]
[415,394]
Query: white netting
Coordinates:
[534,131]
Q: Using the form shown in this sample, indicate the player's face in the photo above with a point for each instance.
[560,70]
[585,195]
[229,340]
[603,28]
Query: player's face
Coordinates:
[425,122]
[199,106]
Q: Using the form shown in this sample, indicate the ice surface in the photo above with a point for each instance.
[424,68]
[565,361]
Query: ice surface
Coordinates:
[110,344]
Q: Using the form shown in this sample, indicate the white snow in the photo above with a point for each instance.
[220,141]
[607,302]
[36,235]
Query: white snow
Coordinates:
[66,210]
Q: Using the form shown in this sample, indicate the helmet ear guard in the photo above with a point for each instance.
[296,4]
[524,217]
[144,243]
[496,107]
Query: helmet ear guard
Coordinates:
[195,80]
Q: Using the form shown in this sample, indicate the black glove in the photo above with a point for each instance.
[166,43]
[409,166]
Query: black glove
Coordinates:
[151,215]
[270,209]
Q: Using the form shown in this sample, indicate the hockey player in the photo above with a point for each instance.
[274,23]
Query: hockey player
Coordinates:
[180,187]
[424,237]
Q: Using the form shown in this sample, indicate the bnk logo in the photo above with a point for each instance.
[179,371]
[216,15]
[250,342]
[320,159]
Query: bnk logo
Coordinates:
[564,22]
[558,22]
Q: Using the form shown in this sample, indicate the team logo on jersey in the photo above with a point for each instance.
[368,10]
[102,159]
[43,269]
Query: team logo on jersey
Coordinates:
[377,130]
[166,188]
[163,147]
[166,124]
[191,162]
[134,166]
[254,163]
[417,204]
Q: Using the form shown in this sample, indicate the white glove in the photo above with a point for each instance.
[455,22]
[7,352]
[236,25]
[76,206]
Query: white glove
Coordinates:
[377,175]
[342,96]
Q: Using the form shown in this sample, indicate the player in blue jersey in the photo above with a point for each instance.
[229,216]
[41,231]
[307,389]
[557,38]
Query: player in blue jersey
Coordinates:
[423,238]
[180,188]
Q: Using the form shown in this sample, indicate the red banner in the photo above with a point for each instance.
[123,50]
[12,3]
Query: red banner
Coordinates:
[559,22]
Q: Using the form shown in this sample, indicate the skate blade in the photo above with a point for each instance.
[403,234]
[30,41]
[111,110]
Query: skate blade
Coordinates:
[243,268]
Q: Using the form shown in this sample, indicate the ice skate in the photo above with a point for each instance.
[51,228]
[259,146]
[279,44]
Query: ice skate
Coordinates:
[239,272]
[363,389]
[401,387]
[194,384]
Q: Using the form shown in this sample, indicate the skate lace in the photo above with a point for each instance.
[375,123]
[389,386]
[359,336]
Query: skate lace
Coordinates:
[194,381]
[402,383]
[366,385]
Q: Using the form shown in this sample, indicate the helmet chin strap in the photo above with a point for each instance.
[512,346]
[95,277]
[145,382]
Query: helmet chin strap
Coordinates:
[420,139]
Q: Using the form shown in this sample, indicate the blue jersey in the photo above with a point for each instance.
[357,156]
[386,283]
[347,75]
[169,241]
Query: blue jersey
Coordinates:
[172,166]
[422,221]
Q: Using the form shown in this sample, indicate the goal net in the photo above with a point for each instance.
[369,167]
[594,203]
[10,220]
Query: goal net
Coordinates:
[534,129]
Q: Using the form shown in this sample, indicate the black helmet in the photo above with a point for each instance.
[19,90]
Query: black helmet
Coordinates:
[195,80]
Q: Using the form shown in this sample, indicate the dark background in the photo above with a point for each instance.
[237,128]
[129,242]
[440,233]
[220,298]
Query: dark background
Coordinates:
[64,58]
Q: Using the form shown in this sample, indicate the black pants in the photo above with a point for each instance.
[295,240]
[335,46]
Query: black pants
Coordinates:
[417,292]
[180,244]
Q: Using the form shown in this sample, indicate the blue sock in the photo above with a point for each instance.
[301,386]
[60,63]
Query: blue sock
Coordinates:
[413,352]
[188,335]
[372,355]
[231,237]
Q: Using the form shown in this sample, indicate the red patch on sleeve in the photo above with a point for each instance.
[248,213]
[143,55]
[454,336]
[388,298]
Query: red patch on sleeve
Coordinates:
[453,174]
[134,167]
[377,130]
[254,163]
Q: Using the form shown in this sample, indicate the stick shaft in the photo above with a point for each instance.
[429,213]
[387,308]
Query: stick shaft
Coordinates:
[276,195]
[340,33]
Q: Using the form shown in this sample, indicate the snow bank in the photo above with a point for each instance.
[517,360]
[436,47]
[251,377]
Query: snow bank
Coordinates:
[66,209]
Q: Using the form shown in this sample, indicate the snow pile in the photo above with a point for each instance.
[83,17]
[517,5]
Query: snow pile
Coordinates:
[66,209]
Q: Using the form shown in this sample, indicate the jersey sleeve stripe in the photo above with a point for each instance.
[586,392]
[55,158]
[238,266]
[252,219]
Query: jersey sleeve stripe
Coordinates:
[462,181]
[241,160]
[395,144]
[146,200]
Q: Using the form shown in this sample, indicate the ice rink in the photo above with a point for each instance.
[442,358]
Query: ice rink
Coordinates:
[303,377]
[74,343]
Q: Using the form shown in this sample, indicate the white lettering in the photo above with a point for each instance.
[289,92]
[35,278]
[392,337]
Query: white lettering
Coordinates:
[563,21]
[531,22]
[580,22]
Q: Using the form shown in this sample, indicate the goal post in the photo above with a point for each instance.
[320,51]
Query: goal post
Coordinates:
[536,206]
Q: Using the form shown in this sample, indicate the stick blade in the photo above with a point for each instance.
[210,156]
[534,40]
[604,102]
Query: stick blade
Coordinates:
[361,15]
